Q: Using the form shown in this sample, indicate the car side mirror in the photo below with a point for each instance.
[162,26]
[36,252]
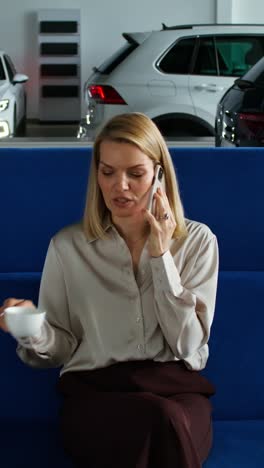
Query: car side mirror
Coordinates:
[19,78]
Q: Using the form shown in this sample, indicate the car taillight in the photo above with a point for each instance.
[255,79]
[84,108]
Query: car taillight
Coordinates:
[105,94]
[252,125]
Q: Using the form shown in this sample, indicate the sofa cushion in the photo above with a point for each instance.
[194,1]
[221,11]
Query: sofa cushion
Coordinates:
[235,362]
[237,444]
[28,445]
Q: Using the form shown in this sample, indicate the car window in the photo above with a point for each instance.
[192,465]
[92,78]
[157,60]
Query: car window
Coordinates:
[178,59]
[2,71]
[238,54]
[121,54]
[10,67]
[206,63]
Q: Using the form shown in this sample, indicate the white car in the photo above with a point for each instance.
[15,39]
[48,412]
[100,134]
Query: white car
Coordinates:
[176,76]
[12,98]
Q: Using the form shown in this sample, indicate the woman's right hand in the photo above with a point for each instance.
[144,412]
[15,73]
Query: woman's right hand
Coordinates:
[12,302]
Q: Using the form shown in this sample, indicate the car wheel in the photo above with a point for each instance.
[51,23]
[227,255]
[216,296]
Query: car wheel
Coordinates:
[177,127]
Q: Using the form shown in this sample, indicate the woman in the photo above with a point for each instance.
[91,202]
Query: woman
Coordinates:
[130,298]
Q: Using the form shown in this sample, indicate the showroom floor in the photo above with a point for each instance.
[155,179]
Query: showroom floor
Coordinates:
[44,134]
[37,129]
[50,131]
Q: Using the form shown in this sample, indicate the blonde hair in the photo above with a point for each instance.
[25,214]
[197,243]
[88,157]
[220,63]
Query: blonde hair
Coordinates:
[137,129]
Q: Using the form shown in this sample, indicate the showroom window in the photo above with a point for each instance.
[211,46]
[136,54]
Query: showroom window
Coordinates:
[179,57]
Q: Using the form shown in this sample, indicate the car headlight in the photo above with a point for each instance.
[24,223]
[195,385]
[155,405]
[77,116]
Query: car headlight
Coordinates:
[4,129]
[4,104]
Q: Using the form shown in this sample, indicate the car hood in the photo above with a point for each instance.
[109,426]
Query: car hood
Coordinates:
[3,88]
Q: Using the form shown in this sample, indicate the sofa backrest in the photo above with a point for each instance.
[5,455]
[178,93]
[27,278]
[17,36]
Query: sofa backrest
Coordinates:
[224,188]
[43,189]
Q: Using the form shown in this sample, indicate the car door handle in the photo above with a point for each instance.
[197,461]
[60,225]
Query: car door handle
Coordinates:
[211,87]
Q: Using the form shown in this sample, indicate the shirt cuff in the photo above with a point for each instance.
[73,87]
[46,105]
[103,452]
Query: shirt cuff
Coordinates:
[165,275]
[40,342]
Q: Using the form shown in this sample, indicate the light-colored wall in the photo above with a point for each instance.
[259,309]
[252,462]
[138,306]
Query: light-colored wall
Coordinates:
[248,11]
[102,23]
[224,10]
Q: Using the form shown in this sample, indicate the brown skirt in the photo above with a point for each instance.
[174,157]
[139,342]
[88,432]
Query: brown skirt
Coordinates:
[138,414]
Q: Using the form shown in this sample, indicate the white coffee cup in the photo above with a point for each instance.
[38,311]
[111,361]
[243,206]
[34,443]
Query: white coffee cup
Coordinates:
[24,321]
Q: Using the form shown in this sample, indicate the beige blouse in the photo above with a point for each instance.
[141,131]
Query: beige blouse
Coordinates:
[99,313]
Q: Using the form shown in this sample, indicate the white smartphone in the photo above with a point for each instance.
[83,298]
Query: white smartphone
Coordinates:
[158,181]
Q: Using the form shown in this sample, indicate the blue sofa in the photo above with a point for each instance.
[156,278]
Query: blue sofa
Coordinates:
[42,190]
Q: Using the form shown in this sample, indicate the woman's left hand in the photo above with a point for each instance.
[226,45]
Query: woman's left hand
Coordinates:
[162,225]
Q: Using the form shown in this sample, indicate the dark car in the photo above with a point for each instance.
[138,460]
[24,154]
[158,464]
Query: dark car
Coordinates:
[240,112]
